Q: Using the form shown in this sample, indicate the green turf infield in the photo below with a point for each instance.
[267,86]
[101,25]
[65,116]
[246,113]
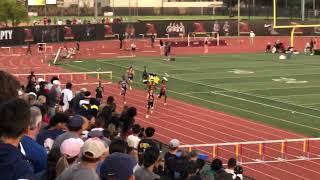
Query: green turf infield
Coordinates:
[282,93]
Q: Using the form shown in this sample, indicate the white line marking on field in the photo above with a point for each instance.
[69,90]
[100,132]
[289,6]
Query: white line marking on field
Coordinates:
[125,56]
[149,51]
[263,104]
[107,53]
[296,95]
[225,105]
[78,61]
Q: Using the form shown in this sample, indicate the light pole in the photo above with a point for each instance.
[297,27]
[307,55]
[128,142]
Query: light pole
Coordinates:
[303,10]
[238,17]
[96,9]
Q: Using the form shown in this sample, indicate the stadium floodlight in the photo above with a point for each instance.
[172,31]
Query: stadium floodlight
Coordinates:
[293,27]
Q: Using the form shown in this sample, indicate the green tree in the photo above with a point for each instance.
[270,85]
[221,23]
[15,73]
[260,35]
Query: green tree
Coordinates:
[13,11]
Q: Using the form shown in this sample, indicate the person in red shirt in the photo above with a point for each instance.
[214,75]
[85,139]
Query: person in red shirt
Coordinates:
[163,91]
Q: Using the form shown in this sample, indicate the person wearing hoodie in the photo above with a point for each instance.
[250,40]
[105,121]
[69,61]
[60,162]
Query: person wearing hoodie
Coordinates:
[15,119]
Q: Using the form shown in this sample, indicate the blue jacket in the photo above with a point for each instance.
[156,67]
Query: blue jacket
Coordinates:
[13,165]
[35,154]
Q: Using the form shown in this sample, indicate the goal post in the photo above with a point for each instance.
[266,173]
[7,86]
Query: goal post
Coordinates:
[293,27]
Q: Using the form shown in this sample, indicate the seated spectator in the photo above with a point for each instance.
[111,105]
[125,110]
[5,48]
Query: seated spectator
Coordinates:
[57,126]
[133,140]
[145,172]
[34,153]
[220,173]
[232,163]
[92,151]
[76,125]
[15,120]
[70,151]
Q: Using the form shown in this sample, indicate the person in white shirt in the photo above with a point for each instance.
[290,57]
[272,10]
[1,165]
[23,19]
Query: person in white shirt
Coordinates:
[252,35]
[67,96]
[133,140]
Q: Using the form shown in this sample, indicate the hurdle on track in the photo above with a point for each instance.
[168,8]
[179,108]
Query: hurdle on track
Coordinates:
[72,76]
[300,150]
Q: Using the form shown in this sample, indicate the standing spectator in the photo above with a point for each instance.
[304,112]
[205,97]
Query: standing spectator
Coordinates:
[226,28]
[216,27]
[133,49]
[29,49]
[238,173]
[111,104]
[152,40]
[148,141]
[128,120]
[31,76]
[57,126]
[145,75]
[133,140]
[161,46]
[232,163]
[145,172]
[76,125]
[75,102]
[99,91]
[220,173]
[92,151]
[173,149]
[70,151]
[15,119]
[121,38]
[117,166]
[312,46]
[53,97]
[252,35]
[43,89]
[34,153]
[9,91]
[67,96]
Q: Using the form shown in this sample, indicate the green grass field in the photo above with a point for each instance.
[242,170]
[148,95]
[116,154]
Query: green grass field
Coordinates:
[284,94]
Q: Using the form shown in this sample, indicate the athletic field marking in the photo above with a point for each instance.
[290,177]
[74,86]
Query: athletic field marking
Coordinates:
[296,95]
[239,71]
[107,53]
[289,80]
[78,61]
[221,104]
[263,104]
[266,89]
[206,92]
[149,51]
[125,56]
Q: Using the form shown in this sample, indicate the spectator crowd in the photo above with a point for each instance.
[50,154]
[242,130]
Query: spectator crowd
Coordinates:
[47,132]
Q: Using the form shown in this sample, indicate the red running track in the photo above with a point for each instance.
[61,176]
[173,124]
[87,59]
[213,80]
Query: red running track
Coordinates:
[192,124]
